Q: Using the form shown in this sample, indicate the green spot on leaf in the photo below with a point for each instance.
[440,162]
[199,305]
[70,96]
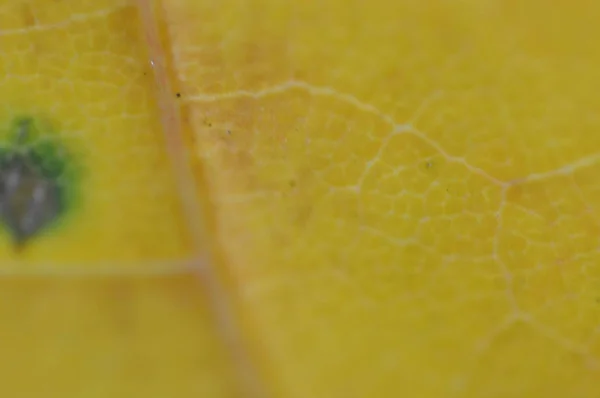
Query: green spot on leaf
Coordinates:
[37,180]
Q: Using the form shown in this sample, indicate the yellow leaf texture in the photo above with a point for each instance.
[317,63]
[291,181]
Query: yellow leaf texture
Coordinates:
[108,303]
[308,199]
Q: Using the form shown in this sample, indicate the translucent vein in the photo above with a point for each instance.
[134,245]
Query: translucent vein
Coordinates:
[74,18]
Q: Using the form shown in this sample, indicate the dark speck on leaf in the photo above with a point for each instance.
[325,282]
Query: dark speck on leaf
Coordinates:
[178,95]
[32,185]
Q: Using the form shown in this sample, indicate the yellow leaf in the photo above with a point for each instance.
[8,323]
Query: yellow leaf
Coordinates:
[397,196]
[108,300]
[403,192]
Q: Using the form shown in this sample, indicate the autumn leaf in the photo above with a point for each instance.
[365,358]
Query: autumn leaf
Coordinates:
[108,301]
[308,199]
[402,192]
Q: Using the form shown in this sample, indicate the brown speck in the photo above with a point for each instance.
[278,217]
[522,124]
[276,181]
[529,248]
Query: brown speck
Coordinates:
[178,95]
[28,16]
